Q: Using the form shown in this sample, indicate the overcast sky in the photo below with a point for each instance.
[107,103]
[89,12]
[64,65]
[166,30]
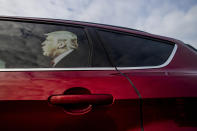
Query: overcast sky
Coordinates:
[172,18]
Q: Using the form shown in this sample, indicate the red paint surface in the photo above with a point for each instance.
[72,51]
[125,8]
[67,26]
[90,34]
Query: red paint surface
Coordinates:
[24,105]
[169,94]
[40,85]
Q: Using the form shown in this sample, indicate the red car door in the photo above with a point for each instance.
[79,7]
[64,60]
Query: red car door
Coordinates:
[169,93]
[164,73]
[39,91]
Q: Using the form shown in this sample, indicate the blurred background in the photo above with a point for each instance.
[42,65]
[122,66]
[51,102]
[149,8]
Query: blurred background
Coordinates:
[172,18]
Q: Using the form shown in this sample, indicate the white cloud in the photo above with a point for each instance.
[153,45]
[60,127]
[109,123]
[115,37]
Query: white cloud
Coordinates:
[177,24]
[175,19]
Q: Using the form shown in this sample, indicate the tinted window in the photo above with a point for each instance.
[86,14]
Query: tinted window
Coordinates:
[33,45]
[99,54]
[130,51]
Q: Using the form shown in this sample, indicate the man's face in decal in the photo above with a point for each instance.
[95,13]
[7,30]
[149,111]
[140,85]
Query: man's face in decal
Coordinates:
[59,42]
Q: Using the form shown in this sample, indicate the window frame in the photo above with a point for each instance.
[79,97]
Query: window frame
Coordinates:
[43,21]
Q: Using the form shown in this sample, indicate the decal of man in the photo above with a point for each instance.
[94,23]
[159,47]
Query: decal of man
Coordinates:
[58,45]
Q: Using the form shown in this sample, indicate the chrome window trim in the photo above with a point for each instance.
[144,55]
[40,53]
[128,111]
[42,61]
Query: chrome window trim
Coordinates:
[153,67]
[96,68]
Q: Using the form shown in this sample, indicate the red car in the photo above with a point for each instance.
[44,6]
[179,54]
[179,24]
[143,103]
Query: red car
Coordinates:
[69,75]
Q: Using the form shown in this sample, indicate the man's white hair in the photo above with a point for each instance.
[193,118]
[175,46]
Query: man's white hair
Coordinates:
[59,42]
[61,34]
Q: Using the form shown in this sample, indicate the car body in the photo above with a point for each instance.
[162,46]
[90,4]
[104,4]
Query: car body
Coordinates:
[114,78]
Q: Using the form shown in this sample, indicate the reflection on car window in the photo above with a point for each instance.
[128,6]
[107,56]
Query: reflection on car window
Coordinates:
[130,51]
[33,45]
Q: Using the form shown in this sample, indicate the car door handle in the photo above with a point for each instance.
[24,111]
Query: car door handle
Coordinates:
[93,99]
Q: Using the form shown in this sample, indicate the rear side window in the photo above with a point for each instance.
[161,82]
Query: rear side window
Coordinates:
[37,45]
[131,51]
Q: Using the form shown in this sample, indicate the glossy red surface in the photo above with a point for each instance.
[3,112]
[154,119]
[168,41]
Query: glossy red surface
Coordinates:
[38,115]
[24,101]
[40,85]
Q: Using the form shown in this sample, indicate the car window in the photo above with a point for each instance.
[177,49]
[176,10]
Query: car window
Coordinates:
[131,51]
[37,45]
[99,55]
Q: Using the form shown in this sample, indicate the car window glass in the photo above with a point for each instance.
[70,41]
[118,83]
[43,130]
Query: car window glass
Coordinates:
[37,45]
[131,51]
[99,55]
